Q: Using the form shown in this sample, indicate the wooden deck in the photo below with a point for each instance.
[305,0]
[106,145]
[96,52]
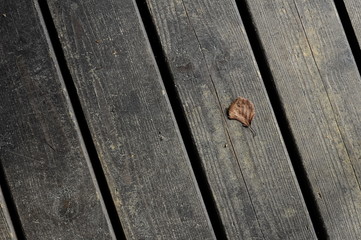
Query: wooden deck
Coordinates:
[113,119]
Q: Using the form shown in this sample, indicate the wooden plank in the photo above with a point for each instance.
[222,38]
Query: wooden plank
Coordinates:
[130,119]
[251,178]
[41,150]
[6,228]
[319,85]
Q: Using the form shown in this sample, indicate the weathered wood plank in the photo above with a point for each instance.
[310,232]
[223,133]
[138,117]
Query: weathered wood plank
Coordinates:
[130,120]
[6,228]
[41,150]
[251,178]
[319,85]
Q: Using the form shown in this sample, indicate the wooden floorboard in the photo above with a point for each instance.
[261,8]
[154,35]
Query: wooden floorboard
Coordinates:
[6,227]
[41,151]
[130,120]
[304,55]
[211,63]
[319,85]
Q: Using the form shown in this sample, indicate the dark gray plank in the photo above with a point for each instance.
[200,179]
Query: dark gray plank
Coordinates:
[319,85]
[41,150]
[251,178]
[130,119]
[6,228]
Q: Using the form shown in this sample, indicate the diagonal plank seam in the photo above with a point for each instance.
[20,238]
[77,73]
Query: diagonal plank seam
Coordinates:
[327,94]
[223,119]
[349,32]
[277,106]
[7,227]
[182,124]
[8,199]
[89,147]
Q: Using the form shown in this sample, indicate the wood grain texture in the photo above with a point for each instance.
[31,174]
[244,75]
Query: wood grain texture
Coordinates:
[41,150]
[6,228]
[251,178]
[130,119]
[319,85]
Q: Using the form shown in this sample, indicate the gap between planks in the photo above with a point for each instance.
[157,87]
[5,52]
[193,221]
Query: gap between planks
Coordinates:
[283,124]
[181,120]
[96,167]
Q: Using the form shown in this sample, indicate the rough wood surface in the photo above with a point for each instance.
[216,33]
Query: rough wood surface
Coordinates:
[41,151]
[130,120]
[319,85]
[6,228]
[251,178]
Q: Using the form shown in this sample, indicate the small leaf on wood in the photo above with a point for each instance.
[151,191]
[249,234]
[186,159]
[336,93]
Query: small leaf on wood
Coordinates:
[242,109]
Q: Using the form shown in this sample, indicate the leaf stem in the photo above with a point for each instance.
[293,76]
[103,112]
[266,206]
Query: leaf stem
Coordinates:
[253,132]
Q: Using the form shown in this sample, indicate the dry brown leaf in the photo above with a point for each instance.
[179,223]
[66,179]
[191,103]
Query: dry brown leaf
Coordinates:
[242,109]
